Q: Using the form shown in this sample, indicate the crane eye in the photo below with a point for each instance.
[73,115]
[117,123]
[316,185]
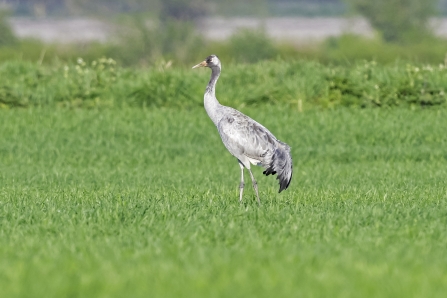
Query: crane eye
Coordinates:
[211,59]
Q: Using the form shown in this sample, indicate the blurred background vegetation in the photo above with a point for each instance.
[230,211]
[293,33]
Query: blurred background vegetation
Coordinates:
[149,32]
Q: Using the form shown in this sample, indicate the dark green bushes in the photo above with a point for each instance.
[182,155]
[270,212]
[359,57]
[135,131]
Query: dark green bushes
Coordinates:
[296,83]
[370,85]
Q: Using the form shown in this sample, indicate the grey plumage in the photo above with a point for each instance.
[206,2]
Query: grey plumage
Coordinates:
[246,139]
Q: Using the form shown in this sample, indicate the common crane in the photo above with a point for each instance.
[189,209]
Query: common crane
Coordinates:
[246,139]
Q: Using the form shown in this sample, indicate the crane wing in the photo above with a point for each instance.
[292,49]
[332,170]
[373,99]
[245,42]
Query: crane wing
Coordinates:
[244,137]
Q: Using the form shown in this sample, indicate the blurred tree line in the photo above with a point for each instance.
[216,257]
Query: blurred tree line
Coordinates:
[194,8]
[176,8]
[180,8]
[155,30]
[398,20]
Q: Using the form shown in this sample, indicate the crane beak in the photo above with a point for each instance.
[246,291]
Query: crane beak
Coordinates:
[201,64]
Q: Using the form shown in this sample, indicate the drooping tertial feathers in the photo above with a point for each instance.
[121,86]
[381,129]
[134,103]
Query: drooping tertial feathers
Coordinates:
[282,165]
[246,139]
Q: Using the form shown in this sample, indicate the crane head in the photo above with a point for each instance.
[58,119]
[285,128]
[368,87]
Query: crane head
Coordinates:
[211,61]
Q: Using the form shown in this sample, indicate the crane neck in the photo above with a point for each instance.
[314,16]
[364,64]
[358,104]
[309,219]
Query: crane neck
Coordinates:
[211,88]
[212,105]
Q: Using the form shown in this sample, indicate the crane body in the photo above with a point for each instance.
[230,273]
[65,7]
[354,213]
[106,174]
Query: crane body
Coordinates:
[246,139]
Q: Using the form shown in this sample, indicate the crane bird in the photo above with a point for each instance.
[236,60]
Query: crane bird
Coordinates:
[246,139]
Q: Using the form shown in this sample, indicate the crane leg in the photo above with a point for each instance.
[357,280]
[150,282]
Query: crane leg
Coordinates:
[242,184]
[255,186]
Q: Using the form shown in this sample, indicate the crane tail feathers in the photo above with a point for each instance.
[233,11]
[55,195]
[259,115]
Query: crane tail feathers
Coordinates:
[281,164]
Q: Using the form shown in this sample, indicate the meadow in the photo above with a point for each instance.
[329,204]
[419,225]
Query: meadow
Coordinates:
[105,196]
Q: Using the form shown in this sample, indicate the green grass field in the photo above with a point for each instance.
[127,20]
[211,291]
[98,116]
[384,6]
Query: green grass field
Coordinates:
[143,202]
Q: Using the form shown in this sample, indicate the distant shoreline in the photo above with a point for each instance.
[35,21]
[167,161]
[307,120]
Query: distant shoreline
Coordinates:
[298,30]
